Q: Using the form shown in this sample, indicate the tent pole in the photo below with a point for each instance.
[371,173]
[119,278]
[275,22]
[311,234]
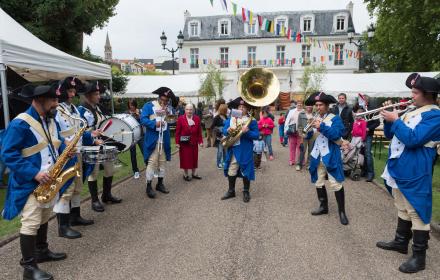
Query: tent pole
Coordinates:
[4,93]
[111,95]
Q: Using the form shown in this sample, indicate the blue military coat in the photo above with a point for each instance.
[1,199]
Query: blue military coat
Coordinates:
[325,149]
[243,152]
[151,136]
[19,136]
[411,157]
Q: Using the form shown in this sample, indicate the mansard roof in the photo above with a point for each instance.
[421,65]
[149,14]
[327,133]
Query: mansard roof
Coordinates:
[209,24]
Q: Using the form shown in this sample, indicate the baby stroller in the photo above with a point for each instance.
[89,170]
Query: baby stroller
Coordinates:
[353,159]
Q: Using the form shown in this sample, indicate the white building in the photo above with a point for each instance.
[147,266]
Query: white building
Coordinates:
[234,46]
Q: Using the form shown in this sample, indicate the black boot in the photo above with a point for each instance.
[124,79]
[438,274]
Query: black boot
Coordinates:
[419,247]
[231,191]
[246,186]
[77,220]
[323,202]
[160,186]
[340,199]
[31,270]
[96,204]
[42,252]
[150,192]
[401,240]
[64,229]
[107,196]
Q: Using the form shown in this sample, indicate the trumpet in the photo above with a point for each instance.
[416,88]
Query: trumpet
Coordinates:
[374,114]
[309,126]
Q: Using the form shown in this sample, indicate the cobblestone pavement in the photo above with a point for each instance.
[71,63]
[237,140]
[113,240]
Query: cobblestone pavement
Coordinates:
[191,234]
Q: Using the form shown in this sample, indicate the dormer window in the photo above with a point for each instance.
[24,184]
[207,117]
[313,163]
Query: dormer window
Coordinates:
[224,27]
[194,28]
[251,28]
[282,21]
[307,23]
[340,22]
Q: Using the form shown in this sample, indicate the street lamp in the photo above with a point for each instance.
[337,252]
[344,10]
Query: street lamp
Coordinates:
[179,42]
[350,35]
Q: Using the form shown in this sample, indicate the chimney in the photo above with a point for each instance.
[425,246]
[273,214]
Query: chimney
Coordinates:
[186,14]
[350,8]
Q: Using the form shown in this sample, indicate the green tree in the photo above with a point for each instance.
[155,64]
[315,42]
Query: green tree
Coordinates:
[213,84]
[312,78]
[61,23]
[406,34]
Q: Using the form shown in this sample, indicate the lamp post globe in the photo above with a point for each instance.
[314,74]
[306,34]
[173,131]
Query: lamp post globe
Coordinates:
[163,39]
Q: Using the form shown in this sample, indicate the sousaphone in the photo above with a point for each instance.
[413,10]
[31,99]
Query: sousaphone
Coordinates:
[258,87]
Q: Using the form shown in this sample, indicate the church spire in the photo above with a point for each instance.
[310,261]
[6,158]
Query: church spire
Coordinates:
[107,49]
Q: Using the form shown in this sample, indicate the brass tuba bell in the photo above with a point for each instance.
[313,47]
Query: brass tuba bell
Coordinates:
[258,87]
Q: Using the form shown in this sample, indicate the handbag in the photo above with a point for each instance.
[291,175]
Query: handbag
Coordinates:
[185,139]
[292,129]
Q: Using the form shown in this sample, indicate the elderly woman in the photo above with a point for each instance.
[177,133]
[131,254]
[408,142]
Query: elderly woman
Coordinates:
[188,136]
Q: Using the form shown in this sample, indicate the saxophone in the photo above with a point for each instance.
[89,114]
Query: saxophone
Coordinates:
[235,134]
[45,193]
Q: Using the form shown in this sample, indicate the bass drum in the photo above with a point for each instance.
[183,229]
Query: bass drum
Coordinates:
[123,128]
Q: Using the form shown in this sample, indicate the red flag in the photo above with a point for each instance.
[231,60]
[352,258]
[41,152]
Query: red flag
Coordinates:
[289,33]
[260,21]
[243,14]
[298,38]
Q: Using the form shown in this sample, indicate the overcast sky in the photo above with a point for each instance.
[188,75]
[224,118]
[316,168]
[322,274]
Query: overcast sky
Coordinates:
[135,29]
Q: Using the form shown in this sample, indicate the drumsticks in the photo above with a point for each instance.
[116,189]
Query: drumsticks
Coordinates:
[107,125]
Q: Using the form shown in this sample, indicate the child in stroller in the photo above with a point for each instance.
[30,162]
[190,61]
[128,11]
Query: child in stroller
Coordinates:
[352,155]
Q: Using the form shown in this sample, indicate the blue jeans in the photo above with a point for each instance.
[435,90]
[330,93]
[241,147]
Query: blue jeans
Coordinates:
[369,161]
[268,141]
[220,154]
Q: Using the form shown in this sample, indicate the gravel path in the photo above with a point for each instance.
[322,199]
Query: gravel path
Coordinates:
[191,234]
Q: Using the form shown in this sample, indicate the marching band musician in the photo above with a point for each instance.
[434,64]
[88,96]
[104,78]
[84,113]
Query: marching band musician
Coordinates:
[91,112]
[239,160]
[409,169]
[325,158]
[157,138]
[68,206]
[31,146]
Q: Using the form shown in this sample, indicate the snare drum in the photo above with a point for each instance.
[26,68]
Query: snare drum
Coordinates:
[98,154]
[124,128]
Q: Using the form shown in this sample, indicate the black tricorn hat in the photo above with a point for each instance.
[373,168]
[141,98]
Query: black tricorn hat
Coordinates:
[93,86]
[237,102]
[321,97]
[50,91]
[71,82]
[425,84]
[167,92]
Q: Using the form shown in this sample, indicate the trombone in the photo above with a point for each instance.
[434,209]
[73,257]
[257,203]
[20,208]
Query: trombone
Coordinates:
[374,114]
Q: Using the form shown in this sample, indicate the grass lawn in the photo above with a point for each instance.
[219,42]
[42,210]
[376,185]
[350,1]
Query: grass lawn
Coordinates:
[121,172]
[379,165]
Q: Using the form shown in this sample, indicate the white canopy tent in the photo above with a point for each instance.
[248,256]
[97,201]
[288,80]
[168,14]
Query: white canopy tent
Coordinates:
[372,84]
[35,60]
[182,85]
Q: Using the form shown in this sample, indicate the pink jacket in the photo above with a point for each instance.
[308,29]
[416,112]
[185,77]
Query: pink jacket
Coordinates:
[269,126]
[359,129]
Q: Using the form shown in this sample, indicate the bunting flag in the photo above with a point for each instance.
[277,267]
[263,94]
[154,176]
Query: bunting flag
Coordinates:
[277,30]
[272,27]
[251,17]
[298,37]
[264,25]
[234,8]
[224,5]
[260,21]
[288,34]
[243,14]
